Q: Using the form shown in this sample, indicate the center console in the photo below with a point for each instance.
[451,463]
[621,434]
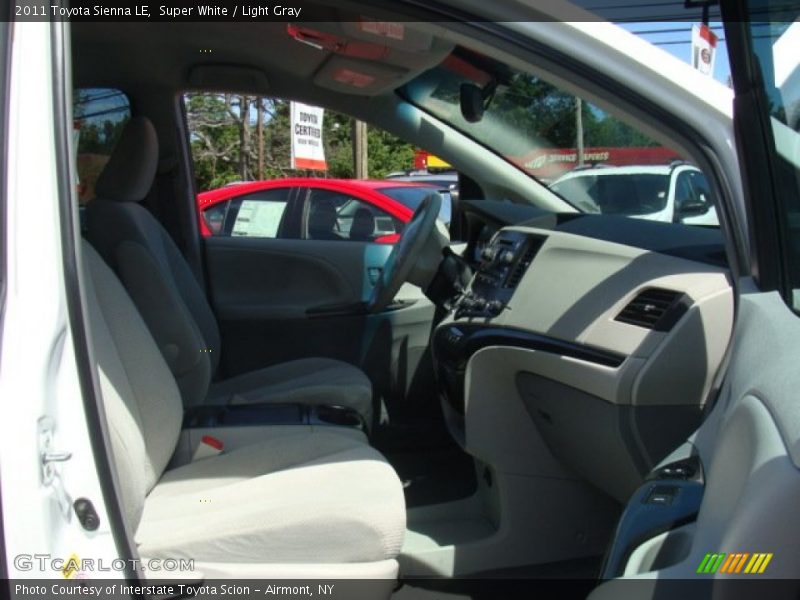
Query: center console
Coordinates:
[504,262]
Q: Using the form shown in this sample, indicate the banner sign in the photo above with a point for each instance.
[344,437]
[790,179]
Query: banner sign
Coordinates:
[704,47]
[308,151]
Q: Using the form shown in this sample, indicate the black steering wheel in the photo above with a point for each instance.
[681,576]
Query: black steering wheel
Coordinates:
[405,253]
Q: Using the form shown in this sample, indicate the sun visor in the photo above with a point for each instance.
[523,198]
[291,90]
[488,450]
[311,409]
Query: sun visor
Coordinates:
[388,43]
[361,77]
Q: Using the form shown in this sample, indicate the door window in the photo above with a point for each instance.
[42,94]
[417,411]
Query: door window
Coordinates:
[336,216]
[692,196]
[100,114]
[258,214]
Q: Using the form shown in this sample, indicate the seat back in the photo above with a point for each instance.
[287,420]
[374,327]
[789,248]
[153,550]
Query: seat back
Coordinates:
[142,402]
[363,228]
[149,264]
[322,220]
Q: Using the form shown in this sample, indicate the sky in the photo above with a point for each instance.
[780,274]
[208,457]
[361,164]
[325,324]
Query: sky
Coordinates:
[676,38]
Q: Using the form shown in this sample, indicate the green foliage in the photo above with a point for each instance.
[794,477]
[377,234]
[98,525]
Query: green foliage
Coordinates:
[224,141]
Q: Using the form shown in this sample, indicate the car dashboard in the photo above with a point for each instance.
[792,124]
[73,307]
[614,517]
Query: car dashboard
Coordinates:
[603,335]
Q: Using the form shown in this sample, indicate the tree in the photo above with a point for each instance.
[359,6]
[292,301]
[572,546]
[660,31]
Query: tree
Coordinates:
[225,146]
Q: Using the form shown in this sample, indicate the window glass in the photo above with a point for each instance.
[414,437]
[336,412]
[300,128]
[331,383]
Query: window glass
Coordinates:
[236,139]
[215,217]
[100,115]
[335,216]
[412,197]
[259,214]
[593,160]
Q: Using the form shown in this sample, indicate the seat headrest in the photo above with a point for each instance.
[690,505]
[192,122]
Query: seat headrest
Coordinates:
[129,173]
[322,219]
[363,227]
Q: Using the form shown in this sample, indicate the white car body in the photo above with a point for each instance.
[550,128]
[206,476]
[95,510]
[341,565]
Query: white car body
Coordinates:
[669,212]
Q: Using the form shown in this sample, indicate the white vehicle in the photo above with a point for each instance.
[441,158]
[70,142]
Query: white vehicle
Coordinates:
[672,193]
[562,401]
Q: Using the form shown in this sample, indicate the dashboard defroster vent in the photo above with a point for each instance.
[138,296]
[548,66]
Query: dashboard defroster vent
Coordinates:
[654,308]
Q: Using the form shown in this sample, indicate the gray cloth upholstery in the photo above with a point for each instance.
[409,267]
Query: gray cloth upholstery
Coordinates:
[142,402]
[322,220]
[171,301]
[306,381]
[308,497]
[130,170]
[163,288]
[363,228]
[320,497]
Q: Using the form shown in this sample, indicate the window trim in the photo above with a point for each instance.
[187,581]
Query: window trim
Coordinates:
[766,217]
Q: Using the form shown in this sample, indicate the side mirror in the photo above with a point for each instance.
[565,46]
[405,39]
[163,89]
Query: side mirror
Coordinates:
[692,208]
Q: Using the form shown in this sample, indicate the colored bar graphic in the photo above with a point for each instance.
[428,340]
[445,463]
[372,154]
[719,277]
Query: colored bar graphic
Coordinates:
[764,564]
[703,563]
[735,563]
[711,563]
[728,564]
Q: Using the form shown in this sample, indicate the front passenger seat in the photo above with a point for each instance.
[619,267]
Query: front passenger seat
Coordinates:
[299,504]
[173,305]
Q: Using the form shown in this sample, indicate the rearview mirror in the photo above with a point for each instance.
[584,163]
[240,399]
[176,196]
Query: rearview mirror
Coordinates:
[472,102]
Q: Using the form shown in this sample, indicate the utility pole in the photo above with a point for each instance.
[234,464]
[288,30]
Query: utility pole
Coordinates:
[579,129]
[360,149]
[260,135]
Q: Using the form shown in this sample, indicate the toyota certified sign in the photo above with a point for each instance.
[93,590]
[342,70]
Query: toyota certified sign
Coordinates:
[704,46]
[308,151]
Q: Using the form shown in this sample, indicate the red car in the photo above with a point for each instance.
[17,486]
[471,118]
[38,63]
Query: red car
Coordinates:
[309,208]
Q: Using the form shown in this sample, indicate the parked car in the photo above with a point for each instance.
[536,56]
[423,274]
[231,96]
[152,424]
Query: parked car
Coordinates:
[315,208]
[444,179]
[676,193]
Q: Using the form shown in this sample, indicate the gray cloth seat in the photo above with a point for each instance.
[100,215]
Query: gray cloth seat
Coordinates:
[363,228]
[313,497]
[322,221]
[323,382]
[173,305]
[291,503]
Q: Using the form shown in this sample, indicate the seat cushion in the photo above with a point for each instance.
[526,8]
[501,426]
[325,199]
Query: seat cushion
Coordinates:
[304,381]
[308,497]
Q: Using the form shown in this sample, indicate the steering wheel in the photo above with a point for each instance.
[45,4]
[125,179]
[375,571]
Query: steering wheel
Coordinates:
[405,253]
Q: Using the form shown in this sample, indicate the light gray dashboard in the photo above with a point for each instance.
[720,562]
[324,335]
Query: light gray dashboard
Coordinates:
[610,349]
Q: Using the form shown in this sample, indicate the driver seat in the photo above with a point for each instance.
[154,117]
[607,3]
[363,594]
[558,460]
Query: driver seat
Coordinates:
[173,305]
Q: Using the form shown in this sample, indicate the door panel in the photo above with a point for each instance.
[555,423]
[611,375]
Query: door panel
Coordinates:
[268,278]
[263,288]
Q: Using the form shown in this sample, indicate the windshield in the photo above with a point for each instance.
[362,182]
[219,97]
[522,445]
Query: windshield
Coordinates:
[616,194]
[551,135]
[412,197]
[543,130]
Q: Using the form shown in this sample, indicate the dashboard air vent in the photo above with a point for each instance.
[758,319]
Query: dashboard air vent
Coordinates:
[654,308]
[524,262]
